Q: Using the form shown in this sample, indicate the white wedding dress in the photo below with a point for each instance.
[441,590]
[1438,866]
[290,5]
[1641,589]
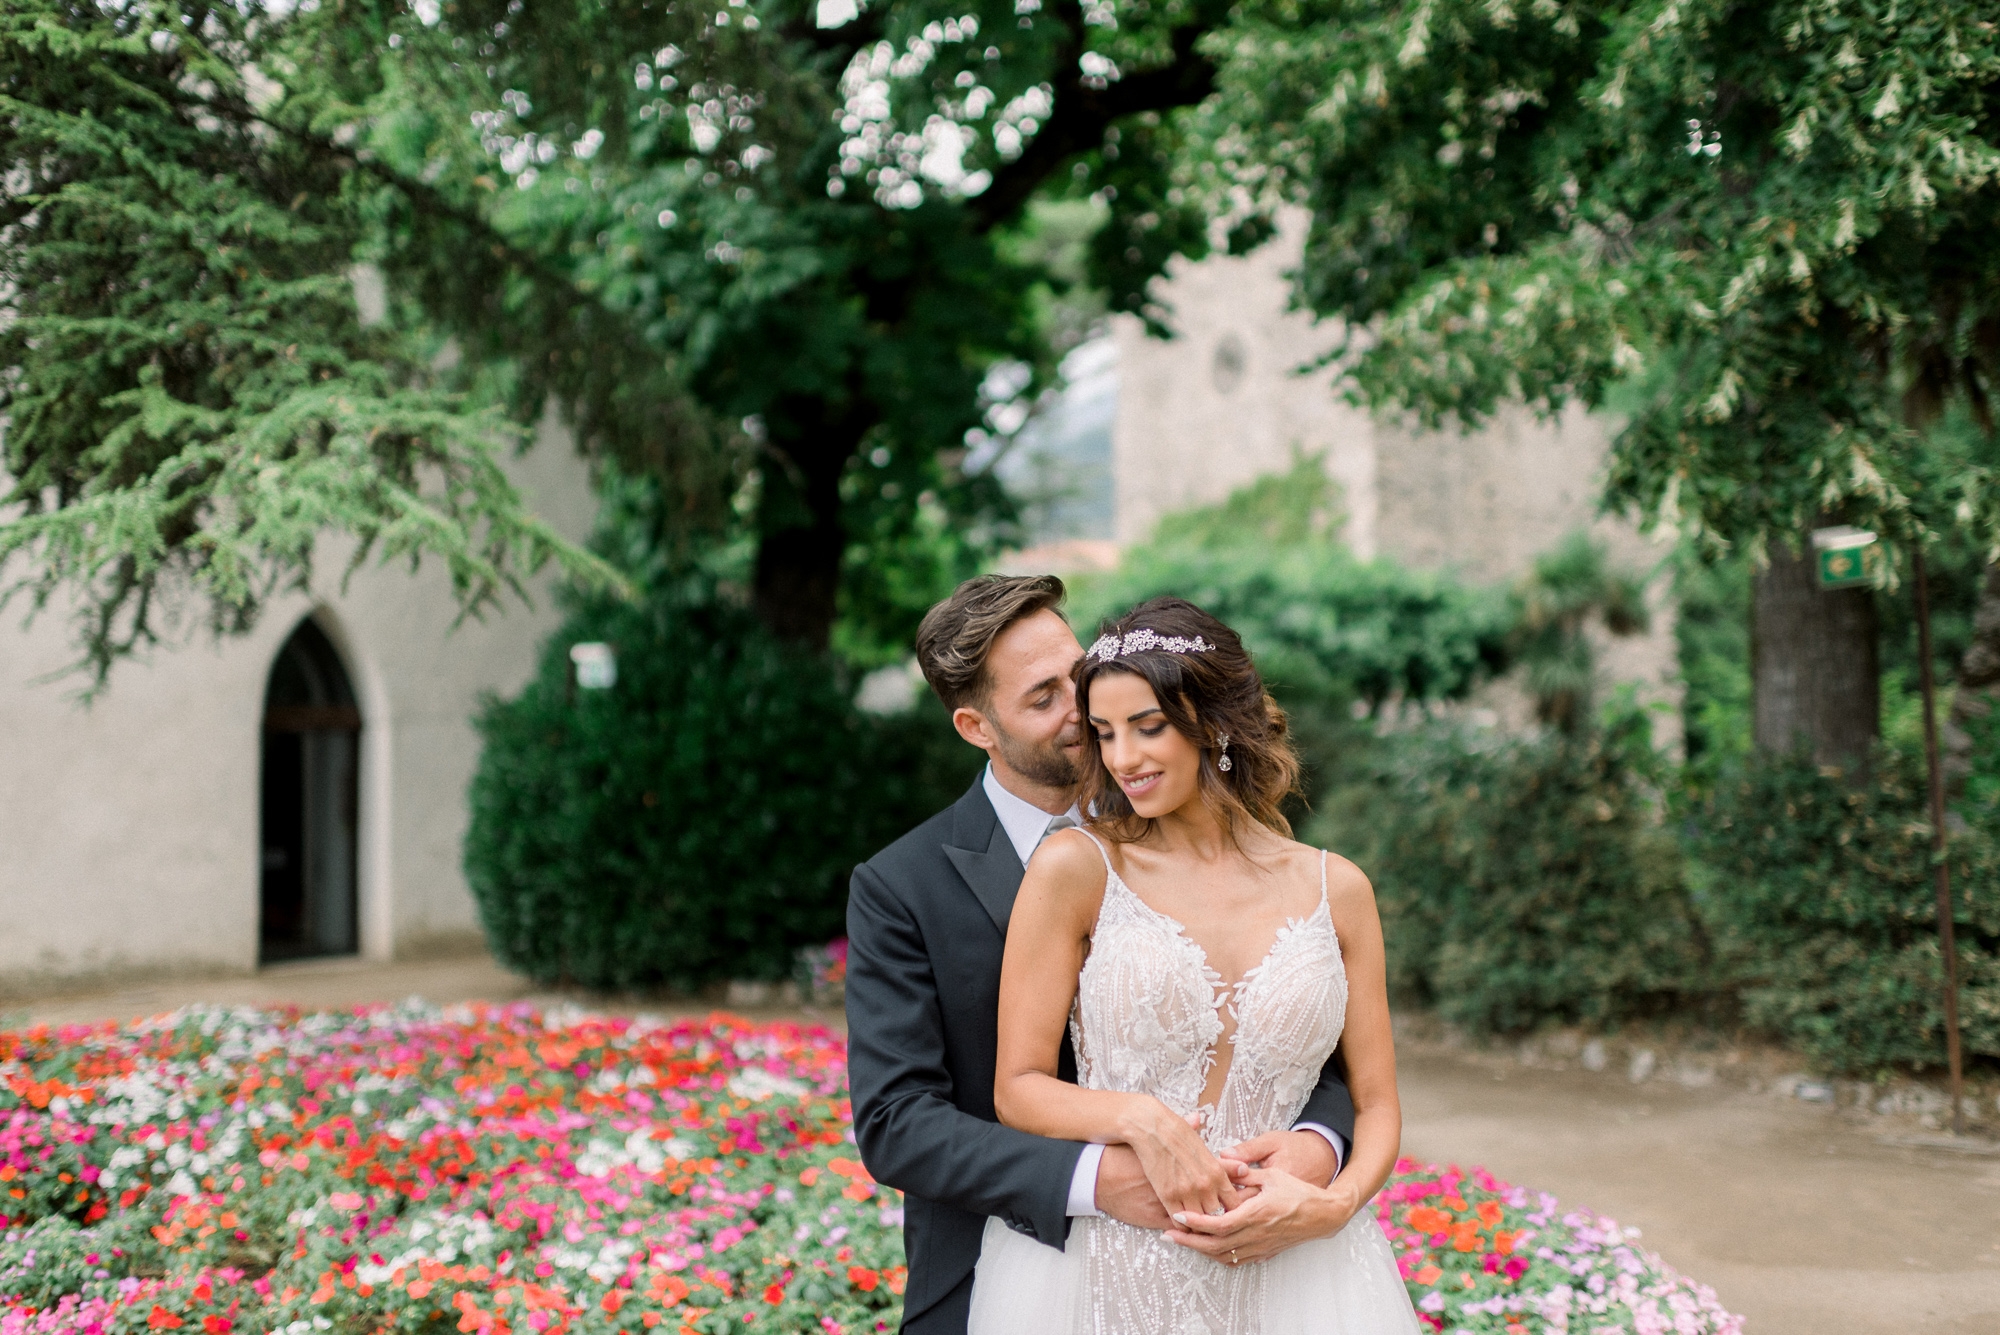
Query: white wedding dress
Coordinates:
[1147,1019]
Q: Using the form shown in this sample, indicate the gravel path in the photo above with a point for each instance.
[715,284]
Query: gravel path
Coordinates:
[1808,1218]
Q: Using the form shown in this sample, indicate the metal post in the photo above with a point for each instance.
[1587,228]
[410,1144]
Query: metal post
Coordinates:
[1942,871]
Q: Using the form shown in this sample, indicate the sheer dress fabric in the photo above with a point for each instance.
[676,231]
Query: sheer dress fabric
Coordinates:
[1148,1019]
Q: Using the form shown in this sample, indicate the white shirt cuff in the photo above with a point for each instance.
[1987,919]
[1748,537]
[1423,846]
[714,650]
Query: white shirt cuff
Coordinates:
[1083,1182]
[1333,1138]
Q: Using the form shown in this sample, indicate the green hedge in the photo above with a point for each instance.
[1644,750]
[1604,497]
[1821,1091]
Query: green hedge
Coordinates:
[1821,901]
[699,819]
[1521,881]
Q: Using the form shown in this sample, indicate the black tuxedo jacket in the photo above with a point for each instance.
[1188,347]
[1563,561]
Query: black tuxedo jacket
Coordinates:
[926,926]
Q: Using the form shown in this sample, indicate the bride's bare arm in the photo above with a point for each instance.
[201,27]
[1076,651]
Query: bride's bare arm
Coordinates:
[1366,1042]
[1048,936]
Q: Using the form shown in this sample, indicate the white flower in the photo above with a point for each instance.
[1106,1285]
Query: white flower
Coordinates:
[757,1084]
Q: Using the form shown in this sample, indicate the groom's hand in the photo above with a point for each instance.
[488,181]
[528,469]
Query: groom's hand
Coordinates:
[1124,1193]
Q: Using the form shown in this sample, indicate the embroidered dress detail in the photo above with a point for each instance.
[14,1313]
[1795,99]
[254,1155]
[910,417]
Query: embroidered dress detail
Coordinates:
[1149,1018]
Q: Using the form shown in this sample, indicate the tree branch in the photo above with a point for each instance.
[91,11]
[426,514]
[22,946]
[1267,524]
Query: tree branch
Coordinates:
[1083,113]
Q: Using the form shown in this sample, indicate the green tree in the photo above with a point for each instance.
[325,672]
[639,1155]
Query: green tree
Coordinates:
[1761,231]
[759,250]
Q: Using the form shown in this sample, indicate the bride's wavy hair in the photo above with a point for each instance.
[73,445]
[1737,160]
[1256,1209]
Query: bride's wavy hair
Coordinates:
[1205,696]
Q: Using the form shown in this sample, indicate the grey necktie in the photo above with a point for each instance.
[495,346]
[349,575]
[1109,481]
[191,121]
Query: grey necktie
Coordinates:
[1059,823]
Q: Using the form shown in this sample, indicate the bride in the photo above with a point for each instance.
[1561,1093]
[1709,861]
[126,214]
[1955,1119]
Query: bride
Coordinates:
[1206,965]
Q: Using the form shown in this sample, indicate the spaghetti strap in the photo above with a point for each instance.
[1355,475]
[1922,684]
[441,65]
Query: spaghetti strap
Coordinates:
[1102,851]
[1322,876]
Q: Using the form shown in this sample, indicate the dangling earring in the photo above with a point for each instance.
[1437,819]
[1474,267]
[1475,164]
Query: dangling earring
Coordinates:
[1224,763]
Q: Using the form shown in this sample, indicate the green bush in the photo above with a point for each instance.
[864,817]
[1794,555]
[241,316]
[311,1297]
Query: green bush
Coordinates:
[1329,631]
[1521,881]
[699,819]
[1822,904]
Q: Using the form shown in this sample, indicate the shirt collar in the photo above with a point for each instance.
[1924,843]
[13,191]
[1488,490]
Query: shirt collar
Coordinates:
[1024,822]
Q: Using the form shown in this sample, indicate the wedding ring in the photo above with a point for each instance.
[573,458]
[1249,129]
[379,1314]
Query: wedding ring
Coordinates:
[1232,1257]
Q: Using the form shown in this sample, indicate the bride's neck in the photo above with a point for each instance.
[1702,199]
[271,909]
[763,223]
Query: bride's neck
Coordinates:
[1194,830]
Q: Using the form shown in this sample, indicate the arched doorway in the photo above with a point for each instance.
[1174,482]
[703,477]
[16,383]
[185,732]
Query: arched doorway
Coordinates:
[312,751]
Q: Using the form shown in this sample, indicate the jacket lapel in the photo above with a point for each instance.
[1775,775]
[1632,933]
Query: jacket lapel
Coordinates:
[985,856]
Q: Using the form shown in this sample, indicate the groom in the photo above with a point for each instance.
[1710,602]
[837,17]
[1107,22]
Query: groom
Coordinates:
[926,924]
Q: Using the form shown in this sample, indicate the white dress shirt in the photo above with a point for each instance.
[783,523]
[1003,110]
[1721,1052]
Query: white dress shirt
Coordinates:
[1027,825]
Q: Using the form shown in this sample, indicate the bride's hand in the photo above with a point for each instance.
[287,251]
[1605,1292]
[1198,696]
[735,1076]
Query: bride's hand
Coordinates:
[1279,1212]
[1184,1172]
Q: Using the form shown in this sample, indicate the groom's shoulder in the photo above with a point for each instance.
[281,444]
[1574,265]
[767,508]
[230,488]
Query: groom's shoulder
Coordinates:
[925,844]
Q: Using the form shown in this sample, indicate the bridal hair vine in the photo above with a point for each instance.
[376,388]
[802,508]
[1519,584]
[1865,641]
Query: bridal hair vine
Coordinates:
[1109,647]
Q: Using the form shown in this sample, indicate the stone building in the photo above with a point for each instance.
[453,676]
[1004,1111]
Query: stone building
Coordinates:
[299,790]
[1168,424]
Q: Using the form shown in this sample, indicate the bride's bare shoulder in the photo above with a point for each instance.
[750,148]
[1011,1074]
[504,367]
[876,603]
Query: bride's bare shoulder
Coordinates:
[1350,902]
[1069,864]
[1346,884]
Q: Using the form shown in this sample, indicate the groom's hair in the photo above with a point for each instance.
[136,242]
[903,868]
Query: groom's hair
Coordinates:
[958,634]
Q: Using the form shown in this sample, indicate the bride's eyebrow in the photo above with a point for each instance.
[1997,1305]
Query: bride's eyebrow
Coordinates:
[1129,718]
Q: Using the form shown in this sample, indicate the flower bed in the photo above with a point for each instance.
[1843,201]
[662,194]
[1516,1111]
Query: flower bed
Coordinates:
[494,1170]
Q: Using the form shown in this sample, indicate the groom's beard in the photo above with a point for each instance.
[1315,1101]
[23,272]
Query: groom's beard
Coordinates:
[1044,763]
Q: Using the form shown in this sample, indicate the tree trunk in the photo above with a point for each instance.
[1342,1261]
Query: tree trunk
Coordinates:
[1978,687]
[801,539]
[1815,673]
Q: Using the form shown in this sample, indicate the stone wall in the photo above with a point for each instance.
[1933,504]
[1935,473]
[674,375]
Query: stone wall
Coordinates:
[1223,402]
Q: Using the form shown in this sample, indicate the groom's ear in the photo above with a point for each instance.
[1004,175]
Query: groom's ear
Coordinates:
[973,727]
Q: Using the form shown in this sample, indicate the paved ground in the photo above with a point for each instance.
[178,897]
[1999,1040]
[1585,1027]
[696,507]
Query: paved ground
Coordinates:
[1808,1220]
[1800,1217]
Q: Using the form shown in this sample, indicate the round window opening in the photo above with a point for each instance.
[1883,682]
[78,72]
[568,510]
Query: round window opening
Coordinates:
[1230,361]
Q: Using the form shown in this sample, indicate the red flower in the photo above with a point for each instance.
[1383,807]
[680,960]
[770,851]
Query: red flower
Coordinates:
[775,1294]
[161,1319]
[863,1278]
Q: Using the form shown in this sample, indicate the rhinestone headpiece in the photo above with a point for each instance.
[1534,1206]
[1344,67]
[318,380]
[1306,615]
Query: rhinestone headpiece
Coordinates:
[1109,647]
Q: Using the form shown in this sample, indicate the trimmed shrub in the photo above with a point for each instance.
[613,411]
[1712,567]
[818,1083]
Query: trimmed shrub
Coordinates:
[1521,881]
[1824,912]
[699,819]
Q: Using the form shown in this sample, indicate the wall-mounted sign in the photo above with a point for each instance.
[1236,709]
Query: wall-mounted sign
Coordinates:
[596,665]
[1847,556]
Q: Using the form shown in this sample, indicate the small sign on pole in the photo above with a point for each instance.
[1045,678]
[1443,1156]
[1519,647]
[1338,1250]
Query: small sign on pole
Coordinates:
[596,665]
[1847,556]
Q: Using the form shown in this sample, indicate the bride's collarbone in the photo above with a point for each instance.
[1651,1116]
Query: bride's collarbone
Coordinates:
[1235,920]
[1226,890]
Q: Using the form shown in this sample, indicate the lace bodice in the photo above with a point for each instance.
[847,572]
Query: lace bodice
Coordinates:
[1148,1015]
[1148,1019]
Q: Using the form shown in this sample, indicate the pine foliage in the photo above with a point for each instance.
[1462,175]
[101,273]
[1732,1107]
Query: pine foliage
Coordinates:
[191,397]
